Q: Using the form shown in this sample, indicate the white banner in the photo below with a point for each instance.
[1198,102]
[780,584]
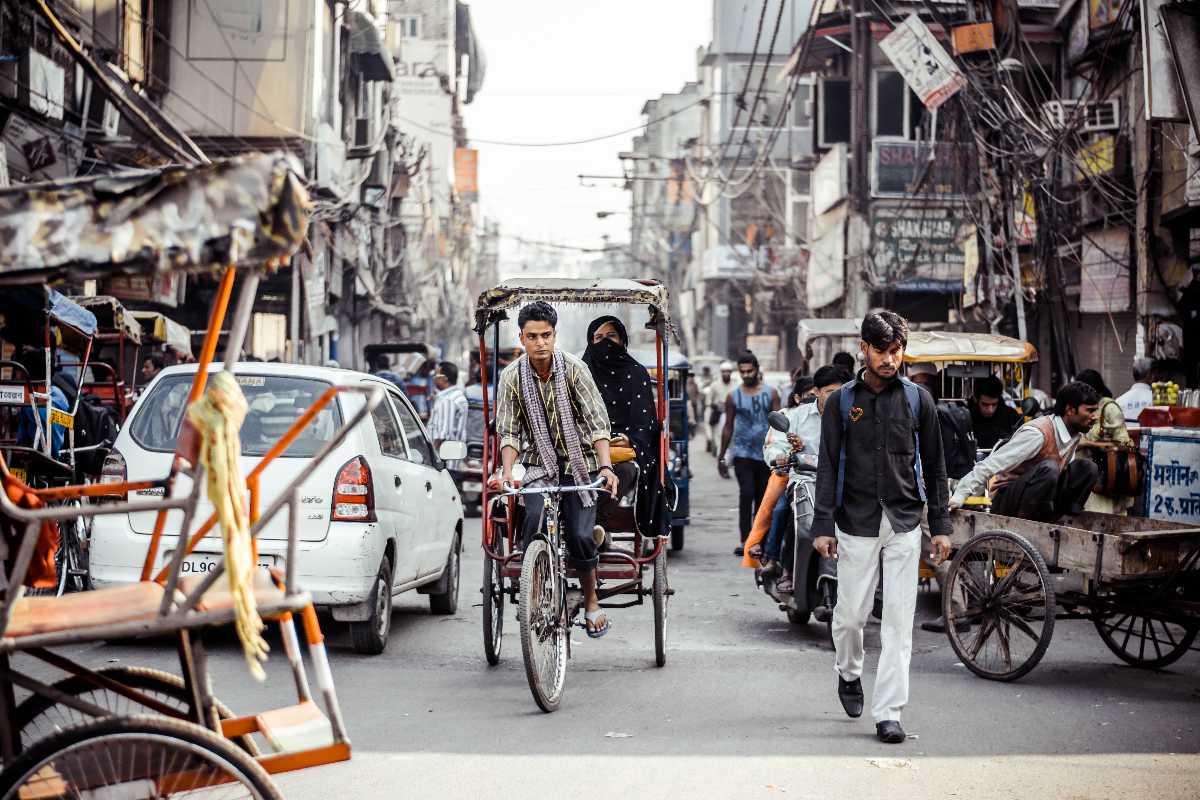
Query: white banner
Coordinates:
[926,66]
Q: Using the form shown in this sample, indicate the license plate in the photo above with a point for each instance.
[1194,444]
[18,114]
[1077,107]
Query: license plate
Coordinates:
[18,473]
[472,486]
[203,563]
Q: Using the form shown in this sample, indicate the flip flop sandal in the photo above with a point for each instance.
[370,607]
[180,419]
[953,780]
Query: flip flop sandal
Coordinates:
[595,631]
[756,553]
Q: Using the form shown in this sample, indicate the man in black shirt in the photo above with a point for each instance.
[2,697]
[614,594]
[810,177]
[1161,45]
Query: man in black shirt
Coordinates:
[881,463]
[991,418]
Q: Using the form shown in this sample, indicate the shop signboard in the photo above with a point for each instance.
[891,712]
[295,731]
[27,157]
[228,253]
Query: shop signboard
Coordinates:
[1173,476]
[922,245]
[905,169]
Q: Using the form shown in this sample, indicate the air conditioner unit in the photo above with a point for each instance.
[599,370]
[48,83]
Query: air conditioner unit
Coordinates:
[1104,116]
[1057,112]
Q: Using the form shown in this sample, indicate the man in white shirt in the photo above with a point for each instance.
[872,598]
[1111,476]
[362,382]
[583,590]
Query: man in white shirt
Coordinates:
[448,419]
[715,395]
[1035,477]
[1140,395]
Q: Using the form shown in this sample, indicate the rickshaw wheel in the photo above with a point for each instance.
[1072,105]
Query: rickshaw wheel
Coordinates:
[493,604]
[1141,640]
[677,533]
[543,625]
[38,717]
[162,757]
[660,608]
[1009,600]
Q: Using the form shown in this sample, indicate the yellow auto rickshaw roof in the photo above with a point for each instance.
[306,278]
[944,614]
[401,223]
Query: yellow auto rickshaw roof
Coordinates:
[958,346]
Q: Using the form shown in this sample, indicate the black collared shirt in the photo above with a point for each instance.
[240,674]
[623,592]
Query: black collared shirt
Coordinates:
[880,473]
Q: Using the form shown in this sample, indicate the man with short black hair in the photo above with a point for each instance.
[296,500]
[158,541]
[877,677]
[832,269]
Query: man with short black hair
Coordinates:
[991,418]
[1035,477]
[746,410]
[448,419]
[550,415]
[881,462]
[151,366]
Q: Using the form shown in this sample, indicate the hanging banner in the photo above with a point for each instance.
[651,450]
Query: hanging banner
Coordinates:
[926,66]
[1104,272]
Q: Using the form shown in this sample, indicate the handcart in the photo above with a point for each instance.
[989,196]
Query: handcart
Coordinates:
[122,731]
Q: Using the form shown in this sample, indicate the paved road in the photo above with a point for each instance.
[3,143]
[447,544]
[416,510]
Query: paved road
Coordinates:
[744,708]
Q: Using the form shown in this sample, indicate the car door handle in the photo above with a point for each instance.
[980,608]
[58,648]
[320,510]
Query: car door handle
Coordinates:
[428,486]
[396,478]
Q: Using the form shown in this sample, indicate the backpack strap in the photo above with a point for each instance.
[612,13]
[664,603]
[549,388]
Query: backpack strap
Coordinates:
[845,400]
[913,395]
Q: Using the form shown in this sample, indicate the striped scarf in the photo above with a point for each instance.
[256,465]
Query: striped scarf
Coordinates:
[539,428]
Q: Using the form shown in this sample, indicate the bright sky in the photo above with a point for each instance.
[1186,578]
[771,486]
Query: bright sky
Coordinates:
[560,70]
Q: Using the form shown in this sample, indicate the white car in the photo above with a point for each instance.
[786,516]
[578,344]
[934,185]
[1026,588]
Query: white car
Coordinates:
[380,516]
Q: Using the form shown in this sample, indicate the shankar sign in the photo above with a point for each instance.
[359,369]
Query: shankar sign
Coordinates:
[926,66]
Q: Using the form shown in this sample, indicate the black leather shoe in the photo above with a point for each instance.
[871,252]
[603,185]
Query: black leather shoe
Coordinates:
[851,695]
[890,732]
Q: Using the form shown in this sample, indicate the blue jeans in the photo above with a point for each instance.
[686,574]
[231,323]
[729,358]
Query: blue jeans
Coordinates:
[778,524]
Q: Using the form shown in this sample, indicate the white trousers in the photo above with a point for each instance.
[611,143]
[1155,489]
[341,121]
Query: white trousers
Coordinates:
[858,566]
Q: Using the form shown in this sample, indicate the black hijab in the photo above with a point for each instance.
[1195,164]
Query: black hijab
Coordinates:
[629,397]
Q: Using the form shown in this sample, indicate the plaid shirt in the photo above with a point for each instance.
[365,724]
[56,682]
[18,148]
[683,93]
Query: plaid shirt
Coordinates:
[591,417]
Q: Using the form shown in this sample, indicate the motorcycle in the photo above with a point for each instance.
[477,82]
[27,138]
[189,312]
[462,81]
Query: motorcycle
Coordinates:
[814,578]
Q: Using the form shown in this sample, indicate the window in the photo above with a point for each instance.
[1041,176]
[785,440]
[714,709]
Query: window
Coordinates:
[801,181]
[274,402]
[800,221]
[408,26]
[834,112]
[419,448]
[896,111]
[391,438]
[802,106]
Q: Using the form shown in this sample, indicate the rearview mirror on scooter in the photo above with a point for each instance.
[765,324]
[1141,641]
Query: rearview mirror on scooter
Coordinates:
[779,421]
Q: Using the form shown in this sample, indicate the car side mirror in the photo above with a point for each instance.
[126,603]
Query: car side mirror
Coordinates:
[452,451]
[779,421]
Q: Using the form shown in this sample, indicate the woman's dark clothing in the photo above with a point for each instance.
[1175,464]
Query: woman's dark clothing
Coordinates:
[629,397]
[752,475]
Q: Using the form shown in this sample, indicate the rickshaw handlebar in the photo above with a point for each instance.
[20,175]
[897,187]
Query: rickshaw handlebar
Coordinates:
[506,490]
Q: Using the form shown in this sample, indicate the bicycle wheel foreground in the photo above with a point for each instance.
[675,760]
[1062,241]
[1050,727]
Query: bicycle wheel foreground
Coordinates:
[1009,599]
[1134,629]
[543,625]
[136,757]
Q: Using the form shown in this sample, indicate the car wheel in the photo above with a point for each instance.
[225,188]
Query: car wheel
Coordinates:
[446,602]
[371,636]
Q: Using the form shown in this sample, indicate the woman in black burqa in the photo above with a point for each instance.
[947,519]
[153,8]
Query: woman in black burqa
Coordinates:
[629,395]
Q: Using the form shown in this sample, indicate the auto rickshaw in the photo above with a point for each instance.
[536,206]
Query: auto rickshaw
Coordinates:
[165,335]
[962,358]
[677,486]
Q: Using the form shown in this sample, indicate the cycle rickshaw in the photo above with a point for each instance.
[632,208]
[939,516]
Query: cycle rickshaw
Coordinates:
[115,367]
[538,580]
[679,472]
[122,731]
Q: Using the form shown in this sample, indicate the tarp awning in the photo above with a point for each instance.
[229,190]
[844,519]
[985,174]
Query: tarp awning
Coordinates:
[112,317]
[368,49]
[162,329]
[247,210]
[960,346]
[601,291]
[25,312]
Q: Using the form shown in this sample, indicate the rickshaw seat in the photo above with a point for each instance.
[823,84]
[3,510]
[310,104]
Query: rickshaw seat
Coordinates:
[218,598]
[80,610]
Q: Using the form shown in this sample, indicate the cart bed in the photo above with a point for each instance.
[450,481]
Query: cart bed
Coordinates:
[1105,547]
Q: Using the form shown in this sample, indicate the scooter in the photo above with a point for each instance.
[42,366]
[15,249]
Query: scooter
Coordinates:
[814,578]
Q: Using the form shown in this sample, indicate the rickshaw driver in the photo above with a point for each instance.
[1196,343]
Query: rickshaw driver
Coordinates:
[548,399]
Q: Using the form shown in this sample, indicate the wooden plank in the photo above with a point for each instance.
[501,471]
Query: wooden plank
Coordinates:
[1099,552]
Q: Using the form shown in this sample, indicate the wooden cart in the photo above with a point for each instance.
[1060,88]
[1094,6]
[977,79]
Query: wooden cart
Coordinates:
[1137,579]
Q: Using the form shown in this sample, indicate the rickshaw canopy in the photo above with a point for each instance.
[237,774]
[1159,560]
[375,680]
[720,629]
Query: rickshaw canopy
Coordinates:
[809,329]
[678,361]
[939,346]
[248,210]
[163,330]
[494,302]
[112,317]
[27,310]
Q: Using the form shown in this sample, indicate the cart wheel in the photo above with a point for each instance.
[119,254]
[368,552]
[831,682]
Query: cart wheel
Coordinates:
[152,756]
[677,532]
[1143,641]
[493,608]
[38,717]
[544,632]
[1005,589]
[660,608]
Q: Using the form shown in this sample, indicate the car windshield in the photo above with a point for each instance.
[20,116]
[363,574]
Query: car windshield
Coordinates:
[274,404]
